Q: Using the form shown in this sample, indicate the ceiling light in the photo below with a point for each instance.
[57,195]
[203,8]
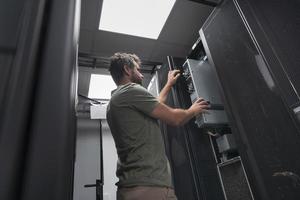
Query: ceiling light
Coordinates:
[143,18]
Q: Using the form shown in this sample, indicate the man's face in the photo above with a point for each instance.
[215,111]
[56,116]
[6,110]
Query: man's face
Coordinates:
[136,75]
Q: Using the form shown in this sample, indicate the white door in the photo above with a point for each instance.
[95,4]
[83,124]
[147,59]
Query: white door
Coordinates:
[87,164]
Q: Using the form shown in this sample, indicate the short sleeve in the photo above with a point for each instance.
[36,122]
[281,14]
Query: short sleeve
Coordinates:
[142,100]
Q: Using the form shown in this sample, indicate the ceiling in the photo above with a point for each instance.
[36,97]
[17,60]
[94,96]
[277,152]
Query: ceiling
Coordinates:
[176,38]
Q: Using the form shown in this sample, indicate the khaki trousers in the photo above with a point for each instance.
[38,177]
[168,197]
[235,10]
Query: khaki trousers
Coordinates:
[146,193]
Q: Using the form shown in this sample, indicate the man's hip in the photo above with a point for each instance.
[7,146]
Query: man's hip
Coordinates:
[146,193]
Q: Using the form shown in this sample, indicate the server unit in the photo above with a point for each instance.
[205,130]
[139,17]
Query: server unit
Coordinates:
[202,82]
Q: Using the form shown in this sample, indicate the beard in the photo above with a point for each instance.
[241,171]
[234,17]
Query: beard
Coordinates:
[136,79]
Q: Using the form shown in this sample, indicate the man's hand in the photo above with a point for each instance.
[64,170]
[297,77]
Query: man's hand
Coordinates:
[199,106]
[172,78]
[177,116]
[173,75]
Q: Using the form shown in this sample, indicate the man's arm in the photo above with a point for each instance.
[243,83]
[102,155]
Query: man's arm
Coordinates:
[176,116]
[172,78]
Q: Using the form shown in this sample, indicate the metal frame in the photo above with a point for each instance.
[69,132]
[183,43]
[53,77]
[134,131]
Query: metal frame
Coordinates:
[233,160]
[95,61]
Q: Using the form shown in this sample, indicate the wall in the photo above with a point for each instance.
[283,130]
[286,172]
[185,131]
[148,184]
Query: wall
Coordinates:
[87,164]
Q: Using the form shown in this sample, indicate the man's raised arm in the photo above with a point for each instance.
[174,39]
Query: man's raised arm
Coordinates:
[172,78]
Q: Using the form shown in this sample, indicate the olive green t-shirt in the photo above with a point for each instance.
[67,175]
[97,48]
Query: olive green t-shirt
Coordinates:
[139,143]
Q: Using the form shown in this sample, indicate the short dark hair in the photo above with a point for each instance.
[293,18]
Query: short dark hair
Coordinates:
[117,63]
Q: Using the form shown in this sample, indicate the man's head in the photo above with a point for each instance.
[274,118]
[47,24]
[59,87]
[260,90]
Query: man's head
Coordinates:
[125,67]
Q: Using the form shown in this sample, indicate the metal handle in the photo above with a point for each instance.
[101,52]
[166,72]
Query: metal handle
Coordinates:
[90,185]
[297,112]
[99,188]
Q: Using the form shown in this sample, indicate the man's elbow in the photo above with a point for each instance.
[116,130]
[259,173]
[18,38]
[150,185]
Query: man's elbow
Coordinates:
[177,122]
[179,118]
[161,100]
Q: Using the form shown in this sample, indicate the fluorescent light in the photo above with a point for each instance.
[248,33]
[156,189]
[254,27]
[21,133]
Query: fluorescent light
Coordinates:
[101,86]
[144,18]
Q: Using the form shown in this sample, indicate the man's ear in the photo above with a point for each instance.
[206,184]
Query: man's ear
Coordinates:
[127,70]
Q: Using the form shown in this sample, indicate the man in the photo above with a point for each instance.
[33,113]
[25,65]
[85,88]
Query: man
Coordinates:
[132,116]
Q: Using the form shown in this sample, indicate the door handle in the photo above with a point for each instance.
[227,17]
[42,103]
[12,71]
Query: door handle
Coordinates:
[99,188]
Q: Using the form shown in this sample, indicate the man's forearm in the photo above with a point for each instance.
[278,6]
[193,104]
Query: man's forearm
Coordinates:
[181,116]
[178,116]
[172,78]
[173,116]
[164,93]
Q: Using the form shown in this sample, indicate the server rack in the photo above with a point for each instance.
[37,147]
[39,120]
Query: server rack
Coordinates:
[202,82]
[38,56]
[247,42]
[188,148]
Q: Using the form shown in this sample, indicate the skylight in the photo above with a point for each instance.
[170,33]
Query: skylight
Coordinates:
[143,18]
[101,86]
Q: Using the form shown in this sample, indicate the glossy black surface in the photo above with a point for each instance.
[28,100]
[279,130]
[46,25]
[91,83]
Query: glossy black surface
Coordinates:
[255,95]
[276,27]
[176,149]
[208,2]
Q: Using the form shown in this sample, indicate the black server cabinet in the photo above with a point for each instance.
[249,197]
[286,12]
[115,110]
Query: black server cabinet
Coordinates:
[256,65]
[38,80]
[189,150]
